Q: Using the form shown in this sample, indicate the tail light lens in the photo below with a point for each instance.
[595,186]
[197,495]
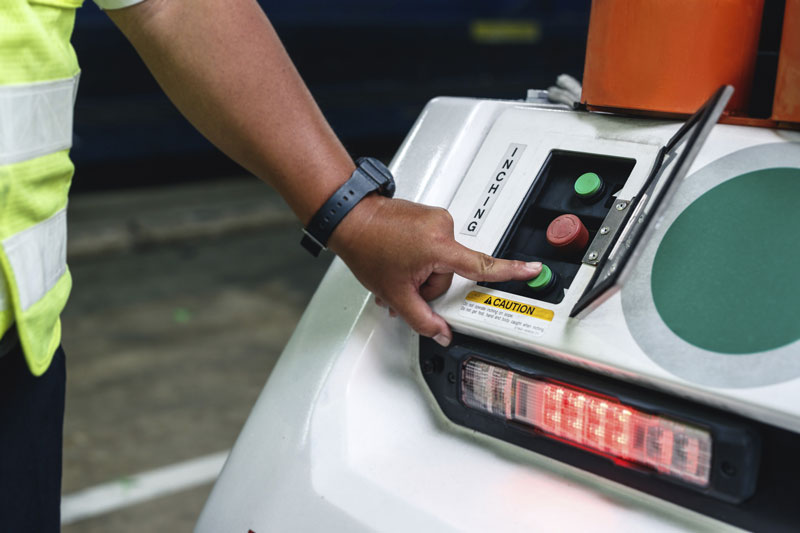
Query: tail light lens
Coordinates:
[593,421]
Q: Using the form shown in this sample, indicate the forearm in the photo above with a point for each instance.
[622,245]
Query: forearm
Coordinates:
[225,69]
[222,64]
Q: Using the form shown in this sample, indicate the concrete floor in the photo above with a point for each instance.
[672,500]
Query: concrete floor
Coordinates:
[169,341]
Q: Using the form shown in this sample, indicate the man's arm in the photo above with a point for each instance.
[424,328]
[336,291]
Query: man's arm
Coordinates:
[224,67]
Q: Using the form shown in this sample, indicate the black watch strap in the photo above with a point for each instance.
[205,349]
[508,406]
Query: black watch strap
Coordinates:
[370,175]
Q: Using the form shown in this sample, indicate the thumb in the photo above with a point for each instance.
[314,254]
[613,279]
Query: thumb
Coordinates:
[419,315]
[478,266]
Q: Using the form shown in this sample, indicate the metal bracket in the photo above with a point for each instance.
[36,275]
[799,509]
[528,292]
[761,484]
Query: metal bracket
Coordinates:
[607,233]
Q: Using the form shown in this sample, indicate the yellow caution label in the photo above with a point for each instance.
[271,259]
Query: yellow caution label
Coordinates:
[510,305]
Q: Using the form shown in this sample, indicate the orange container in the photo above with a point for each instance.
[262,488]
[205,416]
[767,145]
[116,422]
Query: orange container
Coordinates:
[786,106]
[669,56]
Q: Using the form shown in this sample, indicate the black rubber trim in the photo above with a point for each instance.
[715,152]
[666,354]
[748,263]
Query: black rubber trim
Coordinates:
[701,119]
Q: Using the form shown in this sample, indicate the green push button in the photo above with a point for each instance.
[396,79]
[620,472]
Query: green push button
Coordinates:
[541,281]
[588,184]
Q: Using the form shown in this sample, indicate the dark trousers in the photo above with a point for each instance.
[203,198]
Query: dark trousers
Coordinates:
[31,427]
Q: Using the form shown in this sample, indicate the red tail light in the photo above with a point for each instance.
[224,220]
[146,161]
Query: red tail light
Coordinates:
[593,421]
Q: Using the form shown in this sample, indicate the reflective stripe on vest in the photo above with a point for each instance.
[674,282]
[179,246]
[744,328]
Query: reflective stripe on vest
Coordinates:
[36,119]
[38,259]
[38,79]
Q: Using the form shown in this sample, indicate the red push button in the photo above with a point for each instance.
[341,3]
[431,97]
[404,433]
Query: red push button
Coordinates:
[568,234]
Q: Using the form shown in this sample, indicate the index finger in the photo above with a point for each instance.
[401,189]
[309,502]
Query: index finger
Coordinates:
[478,266]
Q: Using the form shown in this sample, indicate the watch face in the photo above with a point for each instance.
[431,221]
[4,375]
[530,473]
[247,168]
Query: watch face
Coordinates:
[388,188]
[378,172]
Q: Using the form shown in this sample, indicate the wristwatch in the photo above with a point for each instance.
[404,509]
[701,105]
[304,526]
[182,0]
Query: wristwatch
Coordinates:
[370,175]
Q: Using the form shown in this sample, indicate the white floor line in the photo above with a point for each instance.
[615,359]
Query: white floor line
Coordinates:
[138,488]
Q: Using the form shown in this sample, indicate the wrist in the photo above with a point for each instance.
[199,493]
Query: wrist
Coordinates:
[349,234]
[313,198]
[369,177]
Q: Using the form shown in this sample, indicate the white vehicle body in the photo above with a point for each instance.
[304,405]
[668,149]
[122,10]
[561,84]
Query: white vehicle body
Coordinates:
[346,435]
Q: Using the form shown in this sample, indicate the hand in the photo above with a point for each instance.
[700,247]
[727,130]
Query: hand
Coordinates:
[406,255]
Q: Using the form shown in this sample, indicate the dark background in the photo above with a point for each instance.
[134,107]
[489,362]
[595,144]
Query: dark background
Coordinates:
[371,64]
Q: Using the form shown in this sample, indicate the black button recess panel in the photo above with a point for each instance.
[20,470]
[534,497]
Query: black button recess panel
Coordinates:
[552,195]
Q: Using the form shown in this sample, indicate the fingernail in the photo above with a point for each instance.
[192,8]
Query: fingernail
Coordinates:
[442,340]
[534,265]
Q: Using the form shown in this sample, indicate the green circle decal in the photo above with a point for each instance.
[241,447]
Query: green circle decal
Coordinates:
[726,275]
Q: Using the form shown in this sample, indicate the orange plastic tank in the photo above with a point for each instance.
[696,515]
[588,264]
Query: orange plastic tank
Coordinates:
[786,106]
[668,56]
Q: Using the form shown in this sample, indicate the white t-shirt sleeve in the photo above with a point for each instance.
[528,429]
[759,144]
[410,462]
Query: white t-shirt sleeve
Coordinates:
[116,4]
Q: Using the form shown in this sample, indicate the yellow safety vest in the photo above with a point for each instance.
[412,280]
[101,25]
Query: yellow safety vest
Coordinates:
[38,82]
